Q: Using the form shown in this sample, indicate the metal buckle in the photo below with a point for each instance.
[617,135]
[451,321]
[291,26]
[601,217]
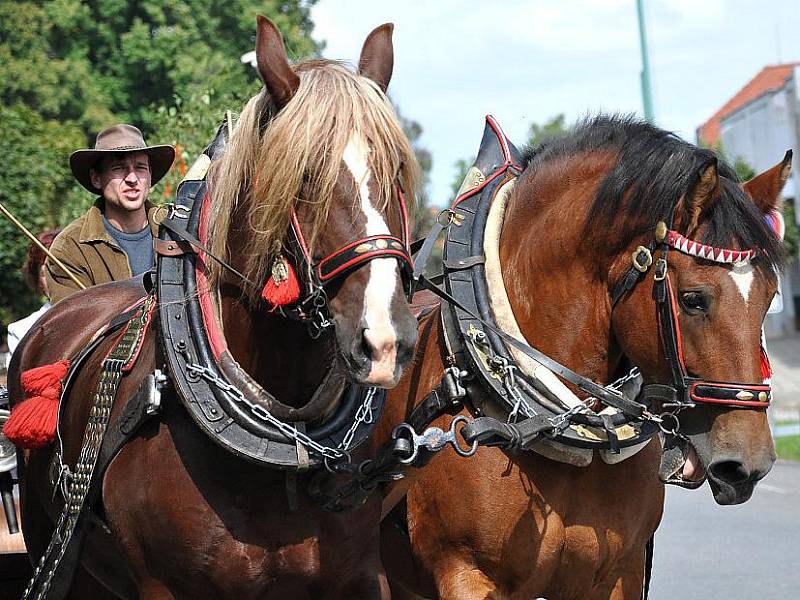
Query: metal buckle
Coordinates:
[643,264]
[661,270]
[177,210]
[455,388]
[449,217]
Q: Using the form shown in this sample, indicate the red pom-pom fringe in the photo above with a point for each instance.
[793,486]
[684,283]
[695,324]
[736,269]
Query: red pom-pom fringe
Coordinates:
[282,287]
[33,421]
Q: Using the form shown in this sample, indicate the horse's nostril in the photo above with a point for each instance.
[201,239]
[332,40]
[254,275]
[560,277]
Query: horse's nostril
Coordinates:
[730,471]
[377,346]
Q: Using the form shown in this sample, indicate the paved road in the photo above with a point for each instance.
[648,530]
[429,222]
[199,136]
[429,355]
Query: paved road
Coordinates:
[746,552]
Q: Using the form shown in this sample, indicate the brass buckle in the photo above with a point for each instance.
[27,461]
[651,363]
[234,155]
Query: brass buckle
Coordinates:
[449,217]
[661,270]
[645,263]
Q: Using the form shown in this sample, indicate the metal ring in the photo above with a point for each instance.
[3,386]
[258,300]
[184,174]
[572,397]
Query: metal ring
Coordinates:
[411,434]
[453,430]
[674,430]
[450,217]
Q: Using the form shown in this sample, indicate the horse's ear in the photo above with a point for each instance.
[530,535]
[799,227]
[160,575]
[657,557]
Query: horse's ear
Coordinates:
[273,66]
[703,194]
[377,56]
[765,188]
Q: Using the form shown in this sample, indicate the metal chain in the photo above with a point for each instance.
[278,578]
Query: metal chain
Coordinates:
[632,374]
[363,415]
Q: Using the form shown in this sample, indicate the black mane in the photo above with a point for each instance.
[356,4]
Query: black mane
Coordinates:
[658,168]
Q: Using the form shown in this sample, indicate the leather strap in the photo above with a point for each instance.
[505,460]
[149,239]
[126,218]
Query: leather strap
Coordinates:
[488,431]
[609,397]
[174,227]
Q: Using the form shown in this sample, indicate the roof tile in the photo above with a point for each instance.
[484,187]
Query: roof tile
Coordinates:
[769,79]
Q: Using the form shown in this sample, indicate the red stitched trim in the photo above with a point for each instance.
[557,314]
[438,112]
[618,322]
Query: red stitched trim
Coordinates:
[215,338]
[678,337]
[501,136]
[364,240]
[730,386]
[473,191]
[387,253]
[404,214]
[300,239]
[687,246]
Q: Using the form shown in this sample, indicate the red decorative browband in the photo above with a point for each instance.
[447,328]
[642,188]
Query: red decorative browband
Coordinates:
[720,255]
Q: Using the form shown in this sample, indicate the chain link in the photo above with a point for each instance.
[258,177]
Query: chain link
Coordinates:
[364,415]
[632,374]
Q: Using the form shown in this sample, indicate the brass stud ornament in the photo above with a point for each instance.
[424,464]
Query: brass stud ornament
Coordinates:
[661,231]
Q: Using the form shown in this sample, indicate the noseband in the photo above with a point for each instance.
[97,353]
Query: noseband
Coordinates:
[686,391]
[318,275]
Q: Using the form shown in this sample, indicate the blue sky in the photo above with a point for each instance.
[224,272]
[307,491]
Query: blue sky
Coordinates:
[524,61]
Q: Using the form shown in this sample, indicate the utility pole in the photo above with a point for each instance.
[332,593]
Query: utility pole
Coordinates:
[647,94]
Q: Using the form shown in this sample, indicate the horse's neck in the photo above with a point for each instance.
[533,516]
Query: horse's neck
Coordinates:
[558,297]
[276,352]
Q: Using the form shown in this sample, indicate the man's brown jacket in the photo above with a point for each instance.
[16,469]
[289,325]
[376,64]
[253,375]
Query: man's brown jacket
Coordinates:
[92,255]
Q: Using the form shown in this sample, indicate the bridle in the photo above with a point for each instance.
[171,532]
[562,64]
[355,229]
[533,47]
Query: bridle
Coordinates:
[319,275]
[686,391]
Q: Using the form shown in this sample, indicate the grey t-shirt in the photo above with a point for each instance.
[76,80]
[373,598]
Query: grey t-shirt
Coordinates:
[138,246]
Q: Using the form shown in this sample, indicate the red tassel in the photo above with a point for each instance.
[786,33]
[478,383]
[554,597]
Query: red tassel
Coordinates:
[282,287]
[766,367]
[33,421]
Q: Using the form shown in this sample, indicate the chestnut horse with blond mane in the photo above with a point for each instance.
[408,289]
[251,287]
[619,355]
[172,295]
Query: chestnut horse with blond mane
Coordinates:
[318,154]
[510,523]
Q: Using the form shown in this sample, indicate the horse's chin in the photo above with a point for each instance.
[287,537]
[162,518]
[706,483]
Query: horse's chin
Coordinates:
[727,494]
[365,373]
[681,465]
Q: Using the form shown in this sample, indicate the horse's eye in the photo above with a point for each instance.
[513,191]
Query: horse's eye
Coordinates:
[694,302]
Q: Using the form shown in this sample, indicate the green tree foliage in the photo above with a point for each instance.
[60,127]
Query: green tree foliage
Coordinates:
[69,68]
[537,133]
[37,187]
[99,61]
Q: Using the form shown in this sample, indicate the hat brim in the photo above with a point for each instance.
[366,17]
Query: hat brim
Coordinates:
[82,161]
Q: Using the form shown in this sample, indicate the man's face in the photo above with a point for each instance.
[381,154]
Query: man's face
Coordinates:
[123,179]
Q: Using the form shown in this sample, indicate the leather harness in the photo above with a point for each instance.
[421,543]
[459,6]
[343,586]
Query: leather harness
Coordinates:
[482,372]
[234,411]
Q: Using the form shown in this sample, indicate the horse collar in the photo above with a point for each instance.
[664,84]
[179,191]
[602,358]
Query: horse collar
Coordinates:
[228,405]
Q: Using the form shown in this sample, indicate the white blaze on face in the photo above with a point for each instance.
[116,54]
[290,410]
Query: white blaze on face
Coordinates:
[379,334]
[743,275]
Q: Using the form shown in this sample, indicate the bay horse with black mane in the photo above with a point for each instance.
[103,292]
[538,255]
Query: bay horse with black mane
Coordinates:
[618,244]
[309,192]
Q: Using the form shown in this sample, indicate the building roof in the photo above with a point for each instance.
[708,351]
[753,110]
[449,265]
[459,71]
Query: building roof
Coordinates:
[769,79]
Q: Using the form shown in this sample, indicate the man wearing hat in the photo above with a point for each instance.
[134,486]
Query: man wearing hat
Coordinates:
[114,239]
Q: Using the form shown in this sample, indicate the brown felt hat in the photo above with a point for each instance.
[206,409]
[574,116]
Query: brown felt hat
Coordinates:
[116,139]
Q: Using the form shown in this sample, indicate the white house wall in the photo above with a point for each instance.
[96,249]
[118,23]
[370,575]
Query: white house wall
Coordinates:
[760,132]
